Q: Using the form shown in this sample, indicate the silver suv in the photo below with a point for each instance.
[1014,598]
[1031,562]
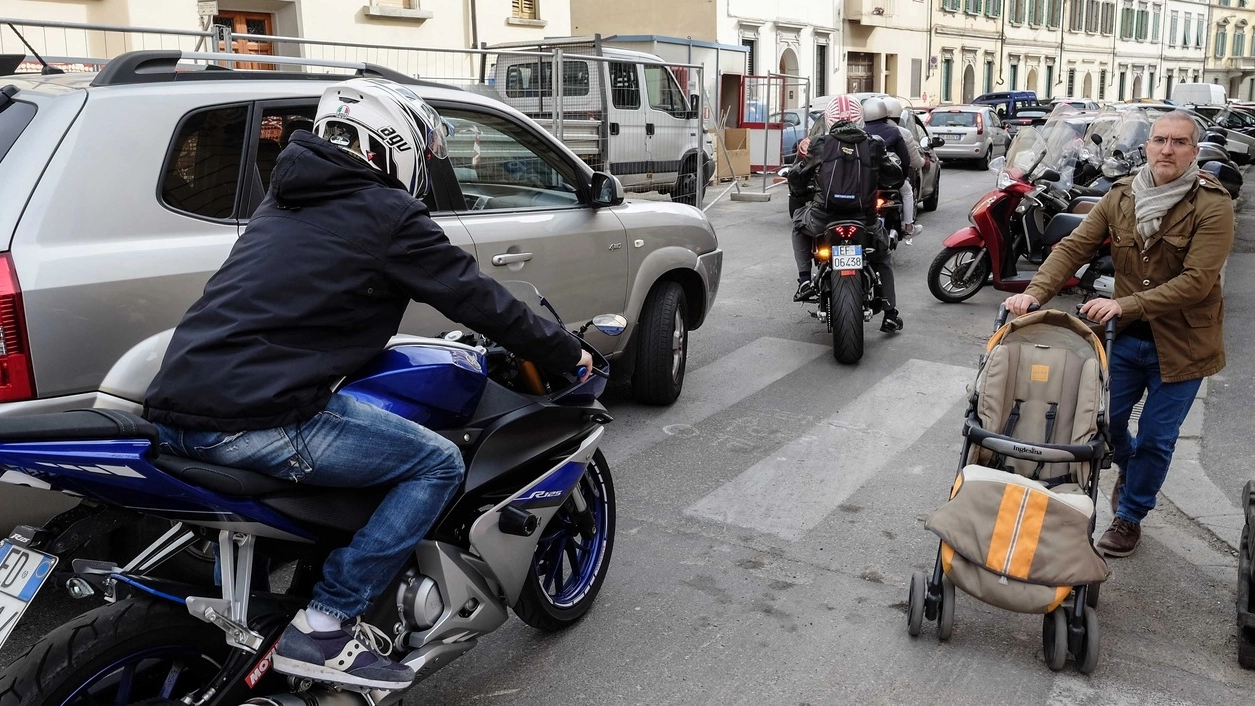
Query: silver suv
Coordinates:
[124,190]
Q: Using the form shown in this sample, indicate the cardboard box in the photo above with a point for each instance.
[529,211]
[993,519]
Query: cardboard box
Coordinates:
[734,159]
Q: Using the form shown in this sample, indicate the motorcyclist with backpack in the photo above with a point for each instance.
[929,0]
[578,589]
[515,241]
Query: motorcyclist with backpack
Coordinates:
[893,107]
[843,168]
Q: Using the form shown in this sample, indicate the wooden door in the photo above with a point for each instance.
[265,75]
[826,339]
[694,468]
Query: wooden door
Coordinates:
[248,23]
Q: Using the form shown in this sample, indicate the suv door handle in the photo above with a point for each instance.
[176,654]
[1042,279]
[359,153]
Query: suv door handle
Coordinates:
[649,128]
[511,257]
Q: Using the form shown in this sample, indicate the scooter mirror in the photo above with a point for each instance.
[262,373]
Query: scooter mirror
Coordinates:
[610,324]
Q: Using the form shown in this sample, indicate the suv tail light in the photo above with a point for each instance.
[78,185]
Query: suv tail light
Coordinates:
[17,379]
[980,124]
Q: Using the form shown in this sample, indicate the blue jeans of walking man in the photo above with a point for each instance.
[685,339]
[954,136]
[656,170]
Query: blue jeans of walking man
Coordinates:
[1144,460]
[348,445]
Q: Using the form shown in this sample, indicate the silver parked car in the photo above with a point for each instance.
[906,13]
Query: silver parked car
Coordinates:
[124,190]
[971,132]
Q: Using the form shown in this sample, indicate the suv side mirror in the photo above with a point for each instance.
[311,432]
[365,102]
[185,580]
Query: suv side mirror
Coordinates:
[607,190]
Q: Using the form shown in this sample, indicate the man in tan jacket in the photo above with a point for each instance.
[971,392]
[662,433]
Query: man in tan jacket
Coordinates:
[1171,228]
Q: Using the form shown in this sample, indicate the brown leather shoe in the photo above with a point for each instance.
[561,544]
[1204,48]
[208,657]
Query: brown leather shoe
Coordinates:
[1120,539]
[1115,493]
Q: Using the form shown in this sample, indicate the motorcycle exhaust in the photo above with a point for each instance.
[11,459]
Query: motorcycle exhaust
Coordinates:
[314,698]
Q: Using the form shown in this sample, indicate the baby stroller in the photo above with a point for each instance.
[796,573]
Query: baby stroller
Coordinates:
[1018,529]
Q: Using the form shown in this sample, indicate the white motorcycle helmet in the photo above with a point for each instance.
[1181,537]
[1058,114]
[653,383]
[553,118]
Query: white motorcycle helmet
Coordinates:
[893,107]
[874,109]
[384,124]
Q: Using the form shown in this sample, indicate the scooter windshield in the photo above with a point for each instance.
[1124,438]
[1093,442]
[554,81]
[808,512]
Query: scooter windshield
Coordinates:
[1116,140]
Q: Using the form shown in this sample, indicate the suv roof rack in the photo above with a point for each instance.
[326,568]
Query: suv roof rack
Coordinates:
[161,65]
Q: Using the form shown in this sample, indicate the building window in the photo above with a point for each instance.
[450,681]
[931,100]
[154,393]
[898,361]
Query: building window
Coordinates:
[1150,86]
[1102,85]
[1198,34]
[1224,3]
[524,9]
[1185,36]
[1054,13]
[1172,28]
[989,75]
[1167,84]
[951,5]
[1071,82]
[1141,25]
[749,56]
[1050,81]
[1016,13]
[1221,37]
[1127,19]
[993,8]
[1250,90]
[1154,23]
[821,70]
[1015,76]
[1077,21]
[1035,12]
[947,68]
[971,7]
[1120,93]
[1239,43]
[1108,19]
[917,77]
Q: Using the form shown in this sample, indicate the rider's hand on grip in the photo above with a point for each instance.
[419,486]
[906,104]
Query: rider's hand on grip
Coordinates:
[585,367]
[1021,304]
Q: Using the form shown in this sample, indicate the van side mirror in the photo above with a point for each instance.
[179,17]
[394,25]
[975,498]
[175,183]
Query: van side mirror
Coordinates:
[607,190]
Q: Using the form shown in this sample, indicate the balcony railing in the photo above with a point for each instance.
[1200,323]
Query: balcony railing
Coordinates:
[1246,63]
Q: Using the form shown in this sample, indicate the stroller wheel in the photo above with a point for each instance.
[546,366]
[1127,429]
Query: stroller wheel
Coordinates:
[1054,638]
[915,603]
[1091,595]
[1087,657]
[945,615]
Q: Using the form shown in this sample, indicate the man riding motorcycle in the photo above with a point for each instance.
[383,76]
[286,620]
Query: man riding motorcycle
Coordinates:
[845,136]
[314,287]
[893,107]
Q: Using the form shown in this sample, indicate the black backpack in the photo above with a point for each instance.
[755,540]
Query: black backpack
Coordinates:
[848,175]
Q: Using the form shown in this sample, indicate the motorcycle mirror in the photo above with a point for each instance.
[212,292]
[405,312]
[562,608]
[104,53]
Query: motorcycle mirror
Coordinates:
[784,172]
[1050,175]
[996,164]
[1096,138]
[610,324]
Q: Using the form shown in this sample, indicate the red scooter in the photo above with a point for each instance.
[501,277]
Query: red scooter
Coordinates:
[1022,217]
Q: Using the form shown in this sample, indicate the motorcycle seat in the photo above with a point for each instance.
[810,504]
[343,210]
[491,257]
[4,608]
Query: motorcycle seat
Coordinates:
[77,425]
[220,479]
[1061,226]
[1080,190]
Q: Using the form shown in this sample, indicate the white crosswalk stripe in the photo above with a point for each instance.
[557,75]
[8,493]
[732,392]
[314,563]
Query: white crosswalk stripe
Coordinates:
[795,488]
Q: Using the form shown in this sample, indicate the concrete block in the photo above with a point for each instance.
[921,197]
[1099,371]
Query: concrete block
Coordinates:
[751,196]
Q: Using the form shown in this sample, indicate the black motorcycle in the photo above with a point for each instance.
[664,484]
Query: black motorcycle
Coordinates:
[848,290]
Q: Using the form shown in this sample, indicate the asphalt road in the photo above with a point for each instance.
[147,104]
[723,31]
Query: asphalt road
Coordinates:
[769,522]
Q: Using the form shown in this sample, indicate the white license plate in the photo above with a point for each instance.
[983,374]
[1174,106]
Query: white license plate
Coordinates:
[22,572]
[952,138]
[847,257]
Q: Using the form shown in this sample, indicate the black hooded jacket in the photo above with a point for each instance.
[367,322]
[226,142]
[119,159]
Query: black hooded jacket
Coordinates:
[315,287]
[888,131]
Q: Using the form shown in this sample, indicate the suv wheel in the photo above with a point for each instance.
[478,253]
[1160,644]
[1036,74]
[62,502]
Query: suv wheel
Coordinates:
[662,346]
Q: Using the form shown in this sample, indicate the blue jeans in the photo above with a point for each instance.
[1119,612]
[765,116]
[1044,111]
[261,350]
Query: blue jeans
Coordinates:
[347,445]
[1144,461]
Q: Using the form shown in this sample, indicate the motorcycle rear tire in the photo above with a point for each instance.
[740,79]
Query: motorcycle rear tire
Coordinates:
[536,606]
[847,318]
[135,634]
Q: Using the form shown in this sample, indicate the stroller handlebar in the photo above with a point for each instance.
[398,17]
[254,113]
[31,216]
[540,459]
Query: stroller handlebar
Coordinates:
[1032,451]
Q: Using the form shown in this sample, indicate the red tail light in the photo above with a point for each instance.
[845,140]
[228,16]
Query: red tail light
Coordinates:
[17,380]
[845,232]
[980,124]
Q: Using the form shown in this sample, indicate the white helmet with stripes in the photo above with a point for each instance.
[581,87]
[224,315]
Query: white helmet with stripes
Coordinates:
[386,125]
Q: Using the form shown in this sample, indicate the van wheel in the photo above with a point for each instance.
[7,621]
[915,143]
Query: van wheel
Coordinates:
[661,346]
[685,189]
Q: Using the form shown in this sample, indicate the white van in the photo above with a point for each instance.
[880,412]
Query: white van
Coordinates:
[1198,94]
[627,109]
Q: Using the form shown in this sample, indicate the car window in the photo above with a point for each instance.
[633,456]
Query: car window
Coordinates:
[956,118]
[625,91]
[499,164]
[277,126]
[202,172]
[536,79]
[13,120]
[993,120]
[664,94]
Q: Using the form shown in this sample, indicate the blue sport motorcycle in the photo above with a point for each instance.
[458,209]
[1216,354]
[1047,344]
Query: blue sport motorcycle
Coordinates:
[531,529]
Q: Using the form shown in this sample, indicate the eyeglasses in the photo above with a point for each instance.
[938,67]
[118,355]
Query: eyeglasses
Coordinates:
[1181,142]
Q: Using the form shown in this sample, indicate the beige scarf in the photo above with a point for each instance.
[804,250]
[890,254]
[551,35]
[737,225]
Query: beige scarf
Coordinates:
[1151,203]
